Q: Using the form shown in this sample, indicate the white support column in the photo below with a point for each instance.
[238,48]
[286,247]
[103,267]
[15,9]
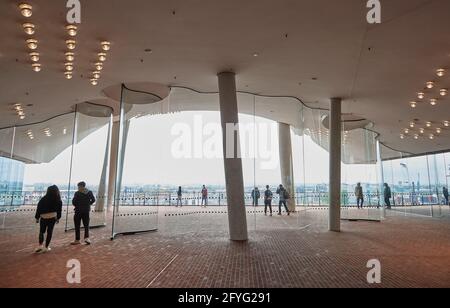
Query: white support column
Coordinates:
[101,194]
[335,164]
[237,215]
[286,162]
[113,161]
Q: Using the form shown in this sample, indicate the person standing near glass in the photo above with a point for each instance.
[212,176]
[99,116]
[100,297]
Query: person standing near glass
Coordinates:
[359,194]
[445,191]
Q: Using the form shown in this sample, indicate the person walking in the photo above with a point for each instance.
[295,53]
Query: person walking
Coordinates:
[48,214]
[284,196]
[359,194]
[82,202]
[445,192]
[204,196]
[387,195]
[256,194]
[268,195]
[179,197]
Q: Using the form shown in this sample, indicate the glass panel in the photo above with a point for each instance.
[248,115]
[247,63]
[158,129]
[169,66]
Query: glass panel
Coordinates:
[361,183]
[45,148]
[90,160]
[136,198]
[8,185]
[316,157]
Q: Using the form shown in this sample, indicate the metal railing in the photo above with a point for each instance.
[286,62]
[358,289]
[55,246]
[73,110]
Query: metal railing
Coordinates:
[12,200]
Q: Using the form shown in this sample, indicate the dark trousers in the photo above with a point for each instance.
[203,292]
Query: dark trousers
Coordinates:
[268,203]
[46,226]
[205,201]
[446,201]
[285,206]
[387,201]
[78,218]
[360,202]
[255,202]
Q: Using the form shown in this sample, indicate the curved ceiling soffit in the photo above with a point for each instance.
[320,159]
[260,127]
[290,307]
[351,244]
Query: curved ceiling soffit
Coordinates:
[300,101]
[162,91]
[139,93]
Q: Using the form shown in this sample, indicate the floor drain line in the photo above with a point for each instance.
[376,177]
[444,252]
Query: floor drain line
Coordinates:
[167,266]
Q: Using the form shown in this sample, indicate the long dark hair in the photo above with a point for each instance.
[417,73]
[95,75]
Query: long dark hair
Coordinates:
[53,193]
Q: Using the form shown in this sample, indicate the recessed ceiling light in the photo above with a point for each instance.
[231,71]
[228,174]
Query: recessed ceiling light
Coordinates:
[440,72]
[36,67]
[102,57]
[433,102]
[421,95]
[422,131]
[413,104]
[406,131]
[32,44]
[71,44]
[106,45]
[438,130]
[99,66]
[70,56]
[412,124]
[443,92]
[429,124]
[96,75]
[26,9]
[255,54]
[94,81]
[34,56]
[69,66]
[22,117]
[431,136]
[71,30]
[402,136]
[430,85]
[68,75]
[416,136]
[28,28]
[446,123]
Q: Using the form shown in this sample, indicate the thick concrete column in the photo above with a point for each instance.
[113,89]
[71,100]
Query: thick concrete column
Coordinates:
[335,164]
[237,216]
[286,162]
[113,161]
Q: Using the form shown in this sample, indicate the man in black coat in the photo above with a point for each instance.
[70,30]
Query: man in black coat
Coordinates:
[82,202]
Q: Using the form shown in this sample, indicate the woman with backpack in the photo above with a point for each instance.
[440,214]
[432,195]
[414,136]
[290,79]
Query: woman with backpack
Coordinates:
[48,214]
[284,196]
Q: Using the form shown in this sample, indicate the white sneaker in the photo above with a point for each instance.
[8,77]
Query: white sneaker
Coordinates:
[87,241]
[75,243]
[45,250]
[39,249]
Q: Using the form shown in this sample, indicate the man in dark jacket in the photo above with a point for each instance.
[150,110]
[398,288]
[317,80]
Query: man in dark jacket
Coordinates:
[445,191]
[387,195]
[82,202]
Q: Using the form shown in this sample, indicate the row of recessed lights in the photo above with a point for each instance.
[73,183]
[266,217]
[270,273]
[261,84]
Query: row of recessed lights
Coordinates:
[20,111]
[431,85]
[98,66]
[71,44]
[30,29]
[422,131]
[30,134]
[48,132]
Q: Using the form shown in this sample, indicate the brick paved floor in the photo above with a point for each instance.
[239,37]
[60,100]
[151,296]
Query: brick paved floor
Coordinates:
[192,249]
